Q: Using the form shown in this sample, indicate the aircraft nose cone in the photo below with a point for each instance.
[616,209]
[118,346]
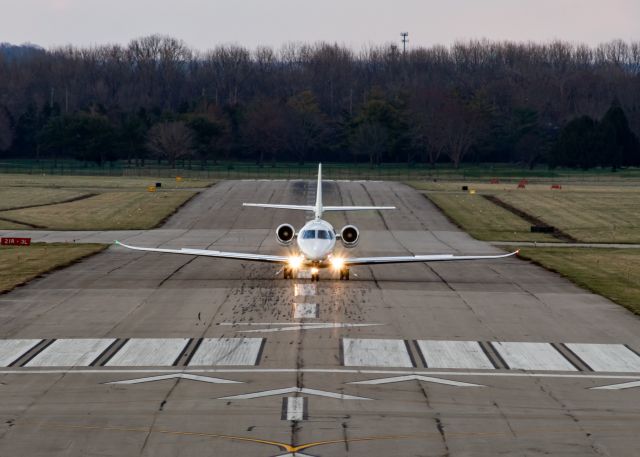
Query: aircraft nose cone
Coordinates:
[315,252]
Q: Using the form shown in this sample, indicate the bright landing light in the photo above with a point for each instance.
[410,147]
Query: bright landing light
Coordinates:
[295,262]
[337,263]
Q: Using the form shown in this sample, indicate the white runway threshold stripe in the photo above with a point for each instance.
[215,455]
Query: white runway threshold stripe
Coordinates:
[454,354]
[72,352]
[532,356]
[148,352]
[12,350]
[375,353]
[227,351]
[607,357]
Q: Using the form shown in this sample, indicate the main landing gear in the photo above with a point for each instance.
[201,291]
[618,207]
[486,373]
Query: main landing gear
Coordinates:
[288,273]
[344,274]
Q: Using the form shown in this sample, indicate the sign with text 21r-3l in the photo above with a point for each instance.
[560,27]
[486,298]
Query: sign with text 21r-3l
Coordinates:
[15,241]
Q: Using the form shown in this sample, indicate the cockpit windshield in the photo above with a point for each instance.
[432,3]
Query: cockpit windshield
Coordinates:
[324,235]
[319,234]
[308,234]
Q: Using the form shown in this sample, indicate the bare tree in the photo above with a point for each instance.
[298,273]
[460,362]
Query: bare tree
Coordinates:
[171,141]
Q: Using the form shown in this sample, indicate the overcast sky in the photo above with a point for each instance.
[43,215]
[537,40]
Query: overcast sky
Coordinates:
[205,23]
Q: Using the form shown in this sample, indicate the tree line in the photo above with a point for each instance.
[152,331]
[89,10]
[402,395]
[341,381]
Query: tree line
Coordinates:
[479,101]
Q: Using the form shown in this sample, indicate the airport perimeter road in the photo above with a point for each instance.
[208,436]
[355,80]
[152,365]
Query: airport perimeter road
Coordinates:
[128,354]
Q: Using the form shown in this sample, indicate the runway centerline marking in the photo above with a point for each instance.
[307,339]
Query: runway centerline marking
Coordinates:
[294,408]
[304,289]
[305,310]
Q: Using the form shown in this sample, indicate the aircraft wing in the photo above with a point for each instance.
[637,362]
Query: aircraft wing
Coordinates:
[421,258]
[277,206]
[354,208]
[208,253]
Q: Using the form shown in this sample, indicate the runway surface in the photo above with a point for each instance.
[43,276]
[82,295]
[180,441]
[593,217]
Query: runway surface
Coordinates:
[128,354]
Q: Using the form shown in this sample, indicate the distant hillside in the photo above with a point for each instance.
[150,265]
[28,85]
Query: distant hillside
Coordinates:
[19,51]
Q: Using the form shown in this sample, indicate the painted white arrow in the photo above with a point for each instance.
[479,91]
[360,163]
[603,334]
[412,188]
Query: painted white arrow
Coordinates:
[415,377]
[624,385]
[192,377]
[291,390]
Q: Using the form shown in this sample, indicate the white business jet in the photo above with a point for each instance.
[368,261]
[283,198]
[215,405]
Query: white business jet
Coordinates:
[316,242]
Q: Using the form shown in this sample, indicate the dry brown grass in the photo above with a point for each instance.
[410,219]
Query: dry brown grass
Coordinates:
[106,211]
[19,265]
[17,197]
[97,182]
[596,213]
[484,220]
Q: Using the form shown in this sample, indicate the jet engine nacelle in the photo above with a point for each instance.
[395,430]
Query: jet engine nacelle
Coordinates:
[285,234]
[349,235]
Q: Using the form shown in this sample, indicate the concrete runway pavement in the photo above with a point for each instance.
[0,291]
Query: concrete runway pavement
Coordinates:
[128,354]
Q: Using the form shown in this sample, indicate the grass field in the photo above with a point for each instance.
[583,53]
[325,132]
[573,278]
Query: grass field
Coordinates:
[105,211]
[484,220]
[594,212]
[15,197]
[609,216]
[89,202]
[21,264]
[95,182]
[613,273]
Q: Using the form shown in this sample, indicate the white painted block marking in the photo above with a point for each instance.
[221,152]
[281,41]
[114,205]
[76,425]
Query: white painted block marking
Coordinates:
[532,356]
[375,353]
[607,357]
[305,310]
[76,352]
[454,354]
[294,408]
[304,289]
[227,351]
[148,352]
[12,350]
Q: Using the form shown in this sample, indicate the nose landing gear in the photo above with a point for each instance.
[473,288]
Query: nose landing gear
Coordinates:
[344,274]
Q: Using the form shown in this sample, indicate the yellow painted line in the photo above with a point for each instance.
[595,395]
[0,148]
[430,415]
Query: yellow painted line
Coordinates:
[295,448]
